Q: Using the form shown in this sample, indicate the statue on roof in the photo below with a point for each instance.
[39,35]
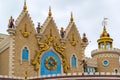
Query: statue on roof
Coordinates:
[84,39]
[84,63]
[11,23]
[38,28]
[104,22]
[62,32]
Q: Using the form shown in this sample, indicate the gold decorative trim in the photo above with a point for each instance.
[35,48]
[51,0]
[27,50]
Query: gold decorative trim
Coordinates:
[25,33]
[60,50]
[43,46]
[72,41]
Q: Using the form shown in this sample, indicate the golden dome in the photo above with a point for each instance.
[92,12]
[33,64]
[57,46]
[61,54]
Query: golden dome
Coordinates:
[105,39]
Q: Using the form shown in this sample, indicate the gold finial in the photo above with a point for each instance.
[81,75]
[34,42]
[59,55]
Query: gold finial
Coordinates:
[50,13]
[71,19]
[25,6]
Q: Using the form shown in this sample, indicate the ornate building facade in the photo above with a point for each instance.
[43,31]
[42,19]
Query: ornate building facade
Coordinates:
[48,51]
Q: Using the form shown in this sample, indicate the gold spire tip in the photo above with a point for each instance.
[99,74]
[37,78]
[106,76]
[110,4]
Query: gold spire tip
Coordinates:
[71,19]
[50,13]
[25,6]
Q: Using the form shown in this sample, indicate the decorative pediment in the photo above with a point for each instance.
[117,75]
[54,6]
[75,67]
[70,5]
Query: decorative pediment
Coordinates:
[71,28]
[44,46]
[72,34]
[50,24]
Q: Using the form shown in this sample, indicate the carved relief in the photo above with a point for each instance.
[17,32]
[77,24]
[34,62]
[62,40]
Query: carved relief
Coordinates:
[25,33]
[43,46]
[72,41]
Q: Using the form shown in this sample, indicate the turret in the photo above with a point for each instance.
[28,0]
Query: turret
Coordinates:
[106,56]
[105,42]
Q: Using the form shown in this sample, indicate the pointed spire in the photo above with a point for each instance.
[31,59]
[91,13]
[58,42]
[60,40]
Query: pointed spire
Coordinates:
[104,33]
[105,41]
[50,13]
[104,29]
[71,18]
[25,6]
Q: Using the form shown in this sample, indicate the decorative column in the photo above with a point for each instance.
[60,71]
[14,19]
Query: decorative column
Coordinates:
[11,31]
[11,55]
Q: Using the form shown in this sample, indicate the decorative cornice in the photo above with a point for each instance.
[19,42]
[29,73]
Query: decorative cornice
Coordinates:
[45,24]
[48,19]
[81,76]
[21,16]
[113,51]
[68,29]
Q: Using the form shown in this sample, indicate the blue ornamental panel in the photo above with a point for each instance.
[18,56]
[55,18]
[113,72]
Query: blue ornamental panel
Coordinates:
[73,61]
[25,54]
[50,64]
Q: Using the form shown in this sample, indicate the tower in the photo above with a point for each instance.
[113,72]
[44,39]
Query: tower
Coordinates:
[106,56]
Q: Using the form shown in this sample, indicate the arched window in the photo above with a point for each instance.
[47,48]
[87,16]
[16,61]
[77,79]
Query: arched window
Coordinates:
[25,54]
[108,45]
[73,61]
[116,71]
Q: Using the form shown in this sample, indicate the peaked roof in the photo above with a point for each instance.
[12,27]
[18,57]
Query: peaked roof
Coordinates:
[22,14]
[47,21]
[70,25]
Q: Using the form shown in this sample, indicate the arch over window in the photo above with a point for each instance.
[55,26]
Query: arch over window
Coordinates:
[25,53]
[73,61]
[116,71]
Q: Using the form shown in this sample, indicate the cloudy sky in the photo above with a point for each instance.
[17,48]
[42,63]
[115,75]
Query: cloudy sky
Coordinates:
[88,16]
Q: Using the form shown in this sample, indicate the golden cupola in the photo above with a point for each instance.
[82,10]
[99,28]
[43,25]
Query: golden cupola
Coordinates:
[105,41]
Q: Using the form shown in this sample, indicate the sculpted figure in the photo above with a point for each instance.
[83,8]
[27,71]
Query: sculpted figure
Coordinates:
[84,39]
[11,22]
[84,63]
[62,32]
[38,28]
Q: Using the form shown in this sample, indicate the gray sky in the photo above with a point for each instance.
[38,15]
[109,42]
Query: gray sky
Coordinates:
[88,16]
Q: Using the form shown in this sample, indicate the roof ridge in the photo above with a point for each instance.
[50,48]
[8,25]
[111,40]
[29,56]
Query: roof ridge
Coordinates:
[48,19]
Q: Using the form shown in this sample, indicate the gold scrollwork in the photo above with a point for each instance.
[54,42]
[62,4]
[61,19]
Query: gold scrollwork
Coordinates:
[73,41]
[66,65]
[25,33]
[43,46]
[60,50]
